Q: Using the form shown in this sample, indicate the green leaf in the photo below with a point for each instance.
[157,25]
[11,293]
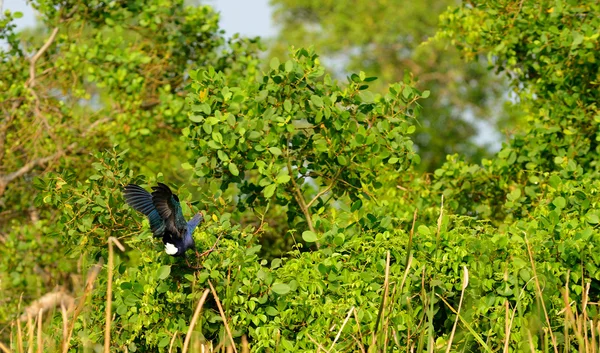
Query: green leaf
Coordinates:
[269,190]
[217,137]
[186,166]
[342,160]
[163,272]
[282,179]
[289,66]
[554,181]
[276,151]
[274,63]
[280,288]
[317,101]
[196,118]
[309,236]
[592,218]
[233,169]
[423,229]
[425,94]
[164,342]
[356,205]
[559,202]
[271,311]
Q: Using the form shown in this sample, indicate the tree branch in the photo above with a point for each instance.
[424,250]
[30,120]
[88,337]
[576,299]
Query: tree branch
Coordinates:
[300,198]
[326,189]
[6,179]
[31,82]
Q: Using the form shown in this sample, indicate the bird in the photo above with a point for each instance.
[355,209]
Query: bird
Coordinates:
[163,210]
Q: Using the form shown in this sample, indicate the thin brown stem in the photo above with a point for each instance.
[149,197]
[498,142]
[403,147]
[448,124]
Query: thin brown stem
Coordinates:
[186,342]
[214,292]
[300,198]
[539,294]
[324,191]
[111,241]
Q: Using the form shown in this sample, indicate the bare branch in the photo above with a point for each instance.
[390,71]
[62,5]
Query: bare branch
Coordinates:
[6,179]
[34,59]
[300,198]
[32,164]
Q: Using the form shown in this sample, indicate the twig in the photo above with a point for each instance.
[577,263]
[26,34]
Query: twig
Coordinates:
[195,317]
[214,292]
[317,343]
[300,198]
[329,187]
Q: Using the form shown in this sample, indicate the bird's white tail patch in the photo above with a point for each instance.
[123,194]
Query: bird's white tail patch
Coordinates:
[170,249]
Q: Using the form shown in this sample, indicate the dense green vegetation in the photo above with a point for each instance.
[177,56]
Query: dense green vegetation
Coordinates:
[329,237]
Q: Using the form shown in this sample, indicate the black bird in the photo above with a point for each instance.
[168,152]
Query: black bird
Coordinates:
[166,218]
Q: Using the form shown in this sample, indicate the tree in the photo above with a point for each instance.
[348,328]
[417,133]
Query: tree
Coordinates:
[94,76]
[389,39]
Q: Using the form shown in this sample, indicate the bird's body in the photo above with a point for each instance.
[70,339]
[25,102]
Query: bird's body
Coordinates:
[164,212]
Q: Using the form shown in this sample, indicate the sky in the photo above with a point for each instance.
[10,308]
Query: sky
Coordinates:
[248,17]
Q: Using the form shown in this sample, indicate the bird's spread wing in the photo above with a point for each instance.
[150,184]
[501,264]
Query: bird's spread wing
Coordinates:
[141,201]
[169,209]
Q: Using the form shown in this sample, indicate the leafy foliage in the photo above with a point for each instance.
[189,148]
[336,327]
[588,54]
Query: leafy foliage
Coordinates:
[291,135]
[480,257]
[390,40]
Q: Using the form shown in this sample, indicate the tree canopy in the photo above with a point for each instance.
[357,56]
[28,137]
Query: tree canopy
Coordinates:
[391,39]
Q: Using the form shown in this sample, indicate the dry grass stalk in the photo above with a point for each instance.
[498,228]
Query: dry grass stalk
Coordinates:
[4,348]
[462,294]
[342,328]
[195,317]
[362,348]
[539,294]
[111,241]
[439,221]
[214,292]
[19,337]
[172,341]
[89,285]
[40,341]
